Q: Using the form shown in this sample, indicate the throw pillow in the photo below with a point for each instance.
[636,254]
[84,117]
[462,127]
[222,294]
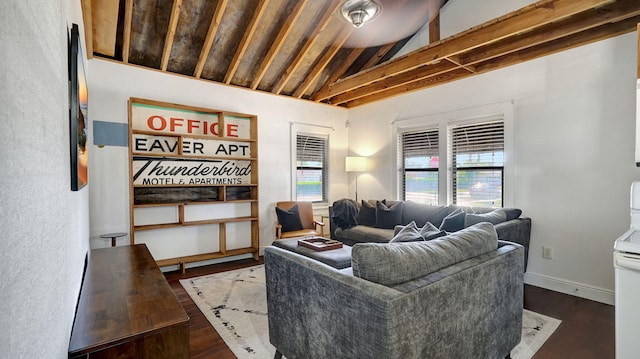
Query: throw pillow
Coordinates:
[512,213]
[494,217]
[367,214]
[290,220]
[408,233]
[422,213]
[454,221]
[388,217]
[429,232]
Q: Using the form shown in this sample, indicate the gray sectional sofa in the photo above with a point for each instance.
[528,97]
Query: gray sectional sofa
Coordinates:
[371,224]
[458,296]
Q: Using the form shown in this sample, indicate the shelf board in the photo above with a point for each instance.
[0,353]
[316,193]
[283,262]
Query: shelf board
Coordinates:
[193,203]
[190,156]
[194,223]
[195,185]
[199,137]
[204,256]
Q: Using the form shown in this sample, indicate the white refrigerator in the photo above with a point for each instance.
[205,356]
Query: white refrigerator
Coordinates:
[626,261]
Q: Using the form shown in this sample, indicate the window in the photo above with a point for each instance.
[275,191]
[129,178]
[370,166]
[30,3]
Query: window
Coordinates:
[477,158]
[311,167]
[419,166]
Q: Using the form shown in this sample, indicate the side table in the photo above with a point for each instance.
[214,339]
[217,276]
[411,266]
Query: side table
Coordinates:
[113,237]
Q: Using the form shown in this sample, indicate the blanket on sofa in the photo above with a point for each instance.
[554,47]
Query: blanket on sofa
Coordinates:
[345,213]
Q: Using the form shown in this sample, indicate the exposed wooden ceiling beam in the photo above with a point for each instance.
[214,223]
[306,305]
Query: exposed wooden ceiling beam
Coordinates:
[579,39]
[434,29]
[601,32]
[615,12]
[319,27]
[126,44]
[278,42]
[400,80]
[442,78]
[246,39]
[102,16]
[323,62]
[211,35]
[525,19]
[88,26]
[171,32]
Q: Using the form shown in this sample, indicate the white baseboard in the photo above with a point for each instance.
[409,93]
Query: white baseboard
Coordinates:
[572,288]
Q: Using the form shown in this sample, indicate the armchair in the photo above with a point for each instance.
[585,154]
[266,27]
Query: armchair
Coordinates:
[310,227]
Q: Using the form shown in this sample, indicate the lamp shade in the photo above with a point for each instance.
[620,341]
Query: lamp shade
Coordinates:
[355,164]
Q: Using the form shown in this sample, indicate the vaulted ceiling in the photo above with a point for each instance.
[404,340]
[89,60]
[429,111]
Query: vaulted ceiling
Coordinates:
[305,49]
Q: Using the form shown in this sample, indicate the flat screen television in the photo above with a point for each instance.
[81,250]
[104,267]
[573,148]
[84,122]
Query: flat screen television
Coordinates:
[78,113]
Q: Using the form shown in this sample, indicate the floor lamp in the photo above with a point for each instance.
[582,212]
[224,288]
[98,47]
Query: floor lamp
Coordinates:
[355,164]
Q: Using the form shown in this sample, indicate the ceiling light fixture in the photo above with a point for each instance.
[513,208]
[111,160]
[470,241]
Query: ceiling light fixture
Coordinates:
[357,12]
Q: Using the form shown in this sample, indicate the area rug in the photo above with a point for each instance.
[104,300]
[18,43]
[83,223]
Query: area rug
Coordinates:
[235,303]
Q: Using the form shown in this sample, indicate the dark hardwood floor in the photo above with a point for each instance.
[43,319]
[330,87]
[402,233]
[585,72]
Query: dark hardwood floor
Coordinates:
[586,331]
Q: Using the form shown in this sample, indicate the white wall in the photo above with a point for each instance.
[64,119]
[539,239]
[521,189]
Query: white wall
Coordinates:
[574,153]
[112,84]
[45,226]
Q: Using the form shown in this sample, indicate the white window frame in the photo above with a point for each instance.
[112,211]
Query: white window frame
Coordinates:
[309,130]
[489,112]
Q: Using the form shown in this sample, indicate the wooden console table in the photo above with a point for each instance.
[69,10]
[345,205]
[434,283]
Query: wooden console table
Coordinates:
[127,309]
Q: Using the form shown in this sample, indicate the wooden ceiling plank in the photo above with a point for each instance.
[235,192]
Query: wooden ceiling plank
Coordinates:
[246,39]
[211,35]
[399,80]
[525,19]
[383,50]
[278,42]
[321,25]
[348,61]
[103,22]
[327,56]
[126,44]
[599,33]
[440,79]
[171,32]
[615,12]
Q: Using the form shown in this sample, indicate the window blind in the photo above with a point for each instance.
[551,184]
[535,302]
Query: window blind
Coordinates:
[311,168]
[477,154]
[419,153]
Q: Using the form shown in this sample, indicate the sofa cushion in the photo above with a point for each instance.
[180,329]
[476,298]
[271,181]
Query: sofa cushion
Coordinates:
[367,214]
[408,233]
[422,213]
[429,232]
[290,220]
[388,216]
[364,234]
[494,217]
[454,221]
[396,263]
